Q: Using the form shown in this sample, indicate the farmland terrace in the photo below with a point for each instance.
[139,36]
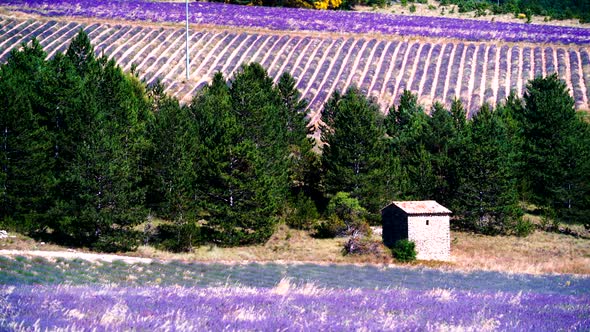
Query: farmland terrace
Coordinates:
[436,58]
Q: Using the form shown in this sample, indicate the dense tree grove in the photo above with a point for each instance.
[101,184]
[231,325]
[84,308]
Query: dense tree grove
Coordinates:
[89,152]
[555,9]
[74,136]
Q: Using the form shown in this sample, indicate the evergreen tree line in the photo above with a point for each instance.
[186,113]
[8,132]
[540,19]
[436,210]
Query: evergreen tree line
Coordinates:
[527,153]
[88,152]
[554,9]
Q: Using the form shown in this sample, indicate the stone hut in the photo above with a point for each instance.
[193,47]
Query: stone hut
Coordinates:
[426,223]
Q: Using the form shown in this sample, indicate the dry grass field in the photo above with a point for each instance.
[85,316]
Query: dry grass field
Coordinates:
[539,253]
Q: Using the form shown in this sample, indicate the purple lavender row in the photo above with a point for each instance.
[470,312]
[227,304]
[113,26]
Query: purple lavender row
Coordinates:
[285,307]
[303,19]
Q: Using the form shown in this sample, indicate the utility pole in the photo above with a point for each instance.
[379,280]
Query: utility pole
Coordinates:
[187,55]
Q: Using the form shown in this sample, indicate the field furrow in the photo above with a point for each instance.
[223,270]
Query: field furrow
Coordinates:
[492,75]
[421,66]
[431,72]
[380,66]
[384,69]
[350,67]
[313,67]
[578,88]
[178,66]
[320,74]
[475,76]
[515,64]
[283,59]
[404,73]
[585,59]
[465,75]
[371,71]
[277,62]
[527,66]
[215,64]
[19,37]
[332,77]
[387,91]
[448,65]
[503,74]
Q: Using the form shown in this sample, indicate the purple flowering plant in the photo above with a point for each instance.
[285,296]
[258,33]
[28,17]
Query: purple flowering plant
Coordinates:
[292,19]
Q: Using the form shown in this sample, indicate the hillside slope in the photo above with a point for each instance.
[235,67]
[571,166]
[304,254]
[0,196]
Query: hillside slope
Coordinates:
[381,65]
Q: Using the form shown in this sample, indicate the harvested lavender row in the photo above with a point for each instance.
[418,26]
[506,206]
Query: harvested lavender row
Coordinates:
[302,19]
[388,63]
[422,58]
[430,73]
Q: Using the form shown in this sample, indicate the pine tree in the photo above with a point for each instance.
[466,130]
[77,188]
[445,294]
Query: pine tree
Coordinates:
[458,113]
[487,194]
[572,192]
[260,108]
[440,139]
[304,168]
[81,53]
[353,137]
[296,109]
[548,122]
[103,141]
[172,174]
[26,162]
[407,125]
[235,189]
[456,151]
[399,119]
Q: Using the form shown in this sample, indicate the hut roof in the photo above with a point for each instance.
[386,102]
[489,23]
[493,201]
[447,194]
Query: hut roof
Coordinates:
[421,207]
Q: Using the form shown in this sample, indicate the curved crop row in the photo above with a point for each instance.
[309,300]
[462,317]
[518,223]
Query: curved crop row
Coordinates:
[476,72]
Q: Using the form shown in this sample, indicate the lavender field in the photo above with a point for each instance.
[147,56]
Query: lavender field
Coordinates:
[382,66]
[304,20]
[285,308]
[37,294]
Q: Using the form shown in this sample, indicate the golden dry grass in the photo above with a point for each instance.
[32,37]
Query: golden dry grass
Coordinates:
[20,242]
[538,253]
[285,245]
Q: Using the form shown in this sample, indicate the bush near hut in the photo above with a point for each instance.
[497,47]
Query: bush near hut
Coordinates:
[404,251]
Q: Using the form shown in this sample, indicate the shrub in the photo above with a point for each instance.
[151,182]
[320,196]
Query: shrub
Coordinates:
[523,228]
[303,214]
[350,212]
[117,241]
[479,12]
[361,246]
[178,237]
[330,228]
[377,3]
[529,15]
[412,8]
[549,221]
[404,251]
